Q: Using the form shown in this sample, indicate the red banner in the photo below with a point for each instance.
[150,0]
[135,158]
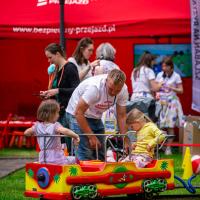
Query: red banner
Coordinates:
[99,18]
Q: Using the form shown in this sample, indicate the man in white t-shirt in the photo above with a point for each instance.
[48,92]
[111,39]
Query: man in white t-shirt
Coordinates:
[89,100]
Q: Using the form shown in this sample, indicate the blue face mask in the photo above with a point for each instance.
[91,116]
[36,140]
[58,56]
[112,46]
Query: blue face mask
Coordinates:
[51,69]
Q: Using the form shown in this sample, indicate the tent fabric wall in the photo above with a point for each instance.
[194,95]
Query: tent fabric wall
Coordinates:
[24,70]
[22,75]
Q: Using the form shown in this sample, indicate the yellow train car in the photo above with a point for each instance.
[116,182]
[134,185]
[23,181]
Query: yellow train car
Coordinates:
[94,179]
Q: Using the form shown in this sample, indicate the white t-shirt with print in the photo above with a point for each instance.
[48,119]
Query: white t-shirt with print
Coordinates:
[141,83]
[108,66]
[173,81]
[93,91]
[80,67]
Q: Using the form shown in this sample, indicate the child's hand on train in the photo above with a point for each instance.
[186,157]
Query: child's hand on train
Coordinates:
[149,148]
[133,146]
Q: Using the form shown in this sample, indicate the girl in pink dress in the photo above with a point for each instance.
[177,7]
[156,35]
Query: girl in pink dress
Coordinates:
[50,147]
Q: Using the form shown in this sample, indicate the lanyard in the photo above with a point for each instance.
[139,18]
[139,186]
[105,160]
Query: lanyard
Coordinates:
[108,101]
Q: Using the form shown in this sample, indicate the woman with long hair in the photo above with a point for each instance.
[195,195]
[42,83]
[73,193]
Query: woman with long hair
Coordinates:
[64,81]
[143,77]
[81,56]
[144,85]
[171,114]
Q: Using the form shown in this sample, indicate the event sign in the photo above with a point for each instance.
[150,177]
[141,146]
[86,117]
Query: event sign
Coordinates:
[195,26]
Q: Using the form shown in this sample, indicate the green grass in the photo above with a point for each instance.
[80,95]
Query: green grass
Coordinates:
[179,172]
[18,152]
[13,186]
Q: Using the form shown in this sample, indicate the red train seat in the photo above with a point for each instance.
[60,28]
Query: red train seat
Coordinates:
[151,164]
[92,165]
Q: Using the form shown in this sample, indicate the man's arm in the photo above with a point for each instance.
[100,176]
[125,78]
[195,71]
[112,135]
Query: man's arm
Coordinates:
[121,121]
[121,118]
[79,114]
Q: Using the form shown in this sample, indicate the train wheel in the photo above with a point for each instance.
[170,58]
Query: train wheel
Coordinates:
[84,192]
[75,192]
[93,191]
[163,183]
[146,185]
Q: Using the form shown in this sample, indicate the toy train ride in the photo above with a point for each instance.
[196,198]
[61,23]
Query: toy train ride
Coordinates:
[96,179]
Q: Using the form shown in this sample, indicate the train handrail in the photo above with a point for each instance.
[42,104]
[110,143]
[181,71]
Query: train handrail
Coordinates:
[107,136]
[107,139]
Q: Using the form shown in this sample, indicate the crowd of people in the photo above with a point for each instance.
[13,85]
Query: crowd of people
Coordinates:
[80,92]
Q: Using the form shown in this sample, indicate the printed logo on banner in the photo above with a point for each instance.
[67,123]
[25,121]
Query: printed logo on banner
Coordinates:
[69,2]
[71,30]
[42,2]
[74,31]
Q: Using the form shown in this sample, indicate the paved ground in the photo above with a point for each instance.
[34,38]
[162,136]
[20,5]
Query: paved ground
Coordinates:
[9,165]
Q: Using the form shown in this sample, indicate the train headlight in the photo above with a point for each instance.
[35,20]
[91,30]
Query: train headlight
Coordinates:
[43,177]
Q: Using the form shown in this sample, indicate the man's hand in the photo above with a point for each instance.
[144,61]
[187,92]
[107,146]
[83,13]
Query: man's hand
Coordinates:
[76,141]
[126,145]
[93,140]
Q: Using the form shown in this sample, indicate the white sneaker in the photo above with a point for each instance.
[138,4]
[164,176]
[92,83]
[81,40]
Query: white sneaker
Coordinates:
[168,151]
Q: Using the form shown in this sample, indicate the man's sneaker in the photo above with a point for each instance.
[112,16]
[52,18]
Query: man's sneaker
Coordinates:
[168,151]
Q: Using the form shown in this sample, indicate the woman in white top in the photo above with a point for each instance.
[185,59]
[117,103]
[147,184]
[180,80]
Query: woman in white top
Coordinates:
[171,114]
[143,85]
[106,54]
[81,56]
[143,78]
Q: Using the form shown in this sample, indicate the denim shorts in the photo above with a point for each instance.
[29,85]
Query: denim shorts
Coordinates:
[84,152]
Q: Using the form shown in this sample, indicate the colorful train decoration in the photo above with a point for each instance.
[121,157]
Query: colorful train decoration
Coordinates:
[94,179]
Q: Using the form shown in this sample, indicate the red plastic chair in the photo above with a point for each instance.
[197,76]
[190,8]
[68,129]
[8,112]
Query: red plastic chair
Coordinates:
[4,133]
[19,137]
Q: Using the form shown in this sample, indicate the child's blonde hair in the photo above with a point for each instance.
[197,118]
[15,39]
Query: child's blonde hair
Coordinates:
[47,110]
[136,115]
